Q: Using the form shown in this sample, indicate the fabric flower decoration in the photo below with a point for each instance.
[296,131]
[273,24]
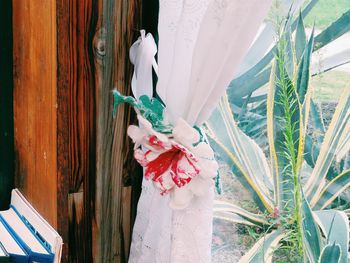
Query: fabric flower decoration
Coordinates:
[180,163]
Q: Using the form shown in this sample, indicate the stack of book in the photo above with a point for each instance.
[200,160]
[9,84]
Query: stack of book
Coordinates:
[25,236]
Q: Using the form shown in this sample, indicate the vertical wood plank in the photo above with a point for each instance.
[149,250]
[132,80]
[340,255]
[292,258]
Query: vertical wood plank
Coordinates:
[6,105]
[76,139]
[64,84]
[117,28]
[34,46]
[72,157]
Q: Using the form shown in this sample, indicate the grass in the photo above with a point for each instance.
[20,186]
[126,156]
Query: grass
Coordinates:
[325,12]
[329,85]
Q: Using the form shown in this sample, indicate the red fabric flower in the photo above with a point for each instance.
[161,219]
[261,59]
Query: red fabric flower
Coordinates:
[175,162]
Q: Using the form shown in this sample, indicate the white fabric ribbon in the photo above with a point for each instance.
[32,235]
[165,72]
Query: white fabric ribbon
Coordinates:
[142,54]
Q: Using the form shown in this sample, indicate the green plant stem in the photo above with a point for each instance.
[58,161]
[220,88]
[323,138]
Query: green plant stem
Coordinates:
[286,94]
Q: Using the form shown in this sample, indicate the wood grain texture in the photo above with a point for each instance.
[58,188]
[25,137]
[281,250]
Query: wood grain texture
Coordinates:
[117,28]
[93,42]
[76,140]
[34,46]
[73,160]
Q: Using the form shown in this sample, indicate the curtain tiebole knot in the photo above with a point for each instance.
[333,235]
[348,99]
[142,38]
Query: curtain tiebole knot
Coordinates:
[178,159]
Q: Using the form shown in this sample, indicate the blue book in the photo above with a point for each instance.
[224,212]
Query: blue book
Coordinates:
[12,247]
[37,239]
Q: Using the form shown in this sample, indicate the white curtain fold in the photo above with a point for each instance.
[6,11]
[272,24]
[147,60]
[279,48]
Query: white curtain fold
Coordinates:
[175,88]
[169,16]
[201,44]
[236,23]
[209,47]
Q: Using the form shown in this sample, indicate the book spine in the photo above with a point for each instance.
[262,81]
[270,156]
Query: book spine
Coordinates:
[13,257]
[35,233]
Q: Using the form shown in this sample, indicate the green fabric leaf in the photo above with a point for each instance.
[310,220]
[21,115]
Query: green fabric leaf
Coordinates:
[151,109]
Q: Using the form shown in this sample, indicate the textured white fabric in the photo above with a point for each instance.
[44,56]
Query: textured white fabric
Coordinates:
[228,30]
[167,29]
[174,90]
[201,43]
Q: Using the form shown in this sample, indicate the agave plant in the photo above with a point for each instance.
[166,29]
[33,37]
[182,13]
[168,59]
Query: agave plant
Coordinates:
[250,111]
[247,92]
[254,73]
[293,197]
[256,67]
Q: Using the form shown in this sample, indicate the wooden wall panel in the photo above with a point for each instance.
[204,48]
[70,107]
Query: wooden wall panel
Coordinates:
[34,46]
[117,27]
[72,157]
[94,37]
[76,127]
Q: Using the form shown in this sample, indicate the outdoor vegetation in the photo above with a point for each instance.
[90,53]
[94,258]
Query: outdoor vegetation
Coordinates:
[326,12]
[282,134]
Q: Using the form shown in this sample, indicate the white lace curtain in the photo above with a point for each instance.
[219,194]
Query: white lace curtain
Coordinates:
[201,44]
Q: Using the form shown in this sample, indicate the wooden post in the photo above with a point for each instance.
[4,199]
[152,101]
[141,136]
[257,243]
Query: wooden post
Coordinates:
[72,157]
[76,125]
[35,107]
[117,28]
[93,42]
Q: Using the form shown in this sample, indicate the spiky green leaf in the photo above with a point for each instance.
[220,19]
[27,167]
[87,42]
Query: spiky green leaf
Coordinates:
[258,75]
[332,190]
[300,38]
[263,250]
[285,131]
[311,233]
[242,154]
[331,253]
[330,62]
[303,74]
[337,130]
[233,218]
[229,208]
[334,31]
[335,227]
